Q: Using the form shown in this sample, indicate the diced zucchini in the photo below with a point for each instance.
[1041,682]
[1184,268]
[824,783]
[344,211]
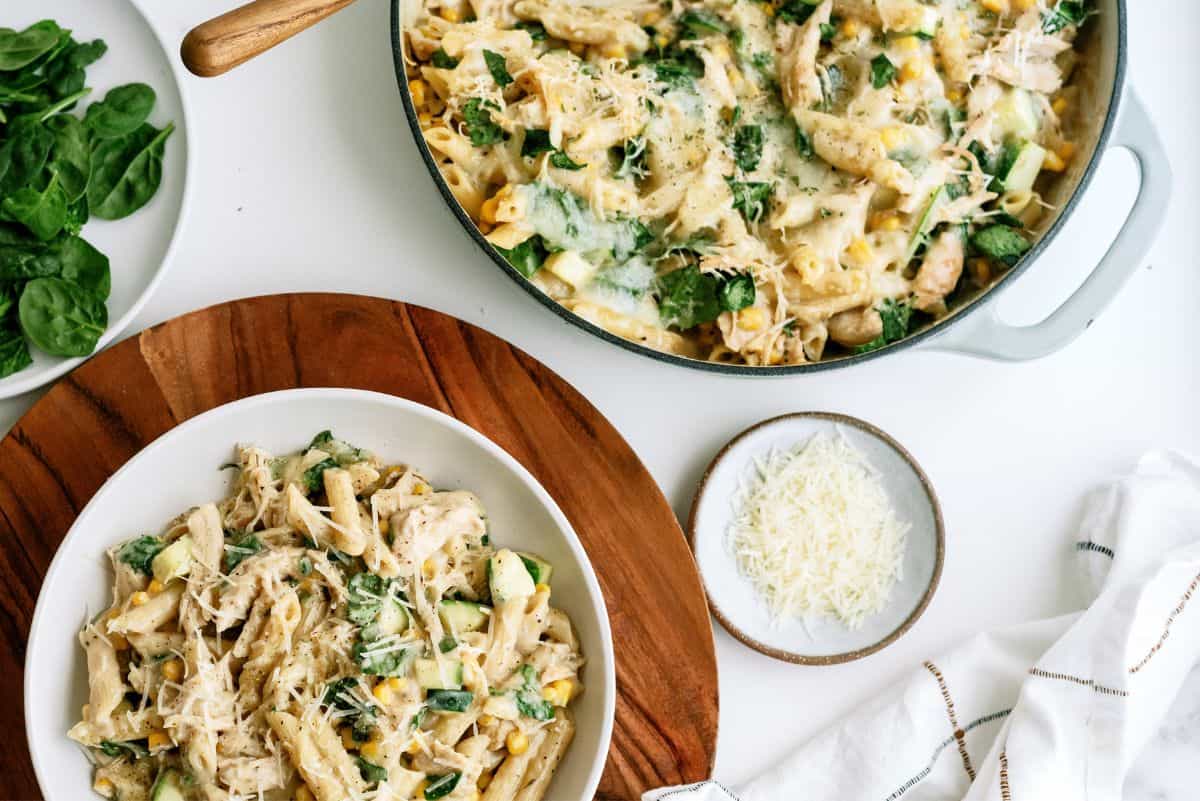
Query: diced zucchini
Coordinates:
[393,618]
[449,700]
[1025,166]
[434,676]
[570,267]
[508,577]
[463,616]
[173,561]
[167,787]
[539,569]
[1016,116]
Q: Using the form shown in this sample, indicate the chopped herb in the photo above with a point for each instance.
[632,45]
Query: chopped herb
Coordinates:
[796,11]
[371,773]
[749,197]
[340,694]
[115,748]
[440,786]
[366,592]
[680,69]
[561,160]
[1000,242]
[883,71]
[529,697]
[803,143]
[478,119]
[537,141]
[737,292]
[139,553]
[700,23]
[1064,14]
[443,60]
[234,554]
[498,67]
[748,147]
[897,322]
[526,257]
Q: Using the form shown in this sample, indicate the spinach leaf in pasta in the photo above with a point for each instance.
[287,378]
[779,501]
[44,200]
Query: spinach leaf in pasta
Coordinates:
[529,696]
[796,11]
[443,60]
[748,147]
[560,159]
[883,71]
[633,159]
[370,772]
[478,119]
[687,298]
[897,320]
[136,749]
[536,30]
[236,553]
[700,22]
[139,553]
[736,292]
[1000,242]
[366,592]
[347,695]
[536,142]
[1065,14]
[441,786]
[749,197]
[526,257]
[314,476]
[498,67]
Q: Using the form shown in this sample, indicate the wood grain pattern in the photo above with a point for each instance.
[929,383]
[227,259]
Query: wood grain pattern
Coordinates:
[98,417]
[217,46]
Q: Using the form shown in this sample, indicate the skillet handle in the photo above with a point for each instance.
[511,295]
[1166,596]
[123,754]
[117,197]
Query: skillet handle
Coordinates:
[222,43]
[985,334]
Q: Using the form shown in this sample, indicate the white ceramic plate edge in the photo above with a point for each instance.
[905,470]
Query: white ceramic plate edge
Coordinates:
[593,585]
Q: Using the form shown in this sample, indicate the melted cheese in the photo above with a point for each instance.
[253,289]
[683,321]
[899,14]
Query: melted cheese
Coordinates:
[815,534]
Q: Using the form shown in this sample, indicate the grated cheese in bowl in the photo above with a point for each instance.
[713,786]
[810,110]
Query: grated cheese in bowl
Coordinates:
[816,535]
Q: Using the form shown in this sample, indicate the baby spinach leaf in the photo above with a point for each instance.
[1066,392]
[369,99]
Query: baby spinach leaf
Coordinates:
[561,160]
[537,141]
[14,352]
[449,700]
[897,323]
[529,696]
[802,143]
[748,147]
[140,552]
[44,212]
[701,22]
[526,257]
[114,748]
[122,111]
[498,67]
[443,60]
[246,547]
[71,155]
[1064,14]
[749,197]
[65,73]
[17,49]
[23,154]
[126,171]
[77,216]
[82,264]
[883,71]
[736,292]
[370,772]
[366,593]
[62,318]
[314,477]
[687,298]
[1000,242]
[480,127]
[441,786]
[796,11]
[536,30]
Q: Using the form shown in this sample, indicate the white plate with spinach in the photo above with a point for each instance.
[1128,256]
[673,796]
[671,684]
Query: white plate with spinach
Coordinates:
[93,175]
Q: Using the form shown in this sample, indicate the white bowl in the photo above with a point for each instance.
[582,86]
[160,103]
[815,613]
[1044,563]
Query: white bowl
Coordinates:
[732,598]
[180,470]
[139,247]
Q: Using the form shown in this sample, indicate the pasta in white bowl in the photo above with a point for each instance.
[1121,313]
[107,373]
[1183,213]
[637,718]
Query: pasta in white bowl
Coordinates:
[337,626]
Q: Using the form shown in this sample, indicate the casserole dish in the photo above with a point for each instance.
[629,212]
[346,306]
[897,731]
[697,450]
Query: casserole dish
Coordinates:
[1121,122]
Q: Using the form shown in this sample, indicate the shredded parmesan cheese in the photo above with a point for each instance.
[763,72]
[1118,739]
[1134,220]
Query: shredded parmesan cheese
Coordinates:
[815,534]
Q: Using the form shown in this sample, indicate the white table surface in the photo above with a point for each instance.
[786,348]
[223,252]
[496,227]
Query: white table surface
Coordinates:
[308,179]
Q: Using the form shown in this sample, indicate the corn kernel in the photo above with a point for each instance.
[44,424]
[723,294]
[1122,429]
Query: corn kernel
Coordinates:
[517,743]
[172,670]
[850,28]
[416,88]
[1024,5]
[752,318]
[541,587]
[383,694]
[912,70]
[651,17]
[1059,105]
[370,749]
[558,692]
[576,48]
[304,794]
[158,740]
[139,598]
[885,221]
[860,249]
[614,51]
[484,780]
[413,747]
[155,587]
[661,40]
[428,568]
[908,44]
[105,787]
[893,137]
[476,796]
[1066,151]
[451,15]
[995,6]
[769,10]
[964,32]
[1054,162]
[954,96]
[348,741]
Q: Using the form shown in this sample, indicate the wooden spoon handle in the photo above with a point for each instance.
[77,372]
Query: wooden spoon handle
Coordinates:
[219,45]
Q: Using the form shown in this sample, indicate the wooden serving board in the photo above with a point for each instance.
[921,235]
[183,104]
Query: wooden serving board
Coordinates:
[99,416]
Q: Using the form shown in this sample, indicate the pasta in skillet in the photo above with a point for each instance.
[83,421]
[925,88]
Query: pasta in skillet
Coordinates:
[750,181]
[334,629]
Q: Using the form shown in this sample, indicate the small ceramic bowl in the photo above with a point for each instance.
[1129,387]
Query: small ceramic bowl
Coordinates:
[732,598]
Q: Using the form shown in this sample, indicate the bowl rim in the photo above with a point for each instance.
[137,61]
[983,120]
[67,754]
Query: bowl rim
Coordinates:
[21,382]
[595,594]
[939,540]
[931,331]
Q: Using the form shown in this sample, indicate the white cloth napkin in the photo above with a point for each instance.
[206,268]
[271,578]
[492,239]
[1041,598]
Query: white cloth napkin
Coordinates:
[1054,710]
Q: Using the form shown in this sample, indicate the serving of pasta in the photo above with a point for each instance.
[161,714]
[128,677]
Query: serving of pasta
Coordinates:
[755,182]
[334,629]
